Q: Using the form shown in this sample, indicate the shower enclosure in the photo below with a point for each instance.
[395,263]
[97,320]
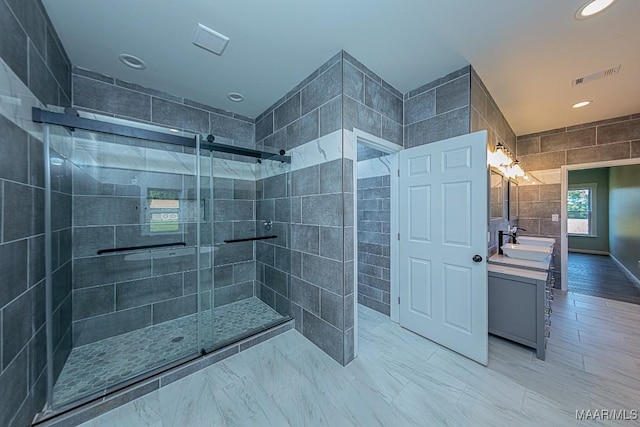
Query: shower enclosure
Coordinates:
[155,250]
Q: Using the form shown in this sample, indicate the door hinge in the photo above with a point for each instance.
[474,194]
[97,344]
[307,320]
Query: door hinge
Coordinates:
[398,236]
[398,173]
[398,300]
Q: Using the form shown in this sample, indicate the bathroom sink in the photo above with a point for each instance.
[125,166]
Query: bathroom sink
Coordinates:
[536,241]
[528,252]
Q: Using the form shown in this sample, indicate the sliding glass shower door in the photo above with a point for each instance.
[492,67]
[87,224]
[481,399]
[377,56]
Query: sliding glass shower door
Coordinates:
[156,252]
[248,242]
[128,220]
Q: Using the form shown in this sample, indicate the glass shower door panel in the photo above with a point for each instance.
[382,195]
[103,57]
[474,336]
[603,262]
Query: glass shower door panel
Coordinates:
[134,283]
[248,205]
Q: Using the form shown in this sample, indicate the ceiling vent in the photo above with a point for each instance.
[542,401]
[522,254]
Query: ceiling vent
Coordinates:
[595,76]
[210,40]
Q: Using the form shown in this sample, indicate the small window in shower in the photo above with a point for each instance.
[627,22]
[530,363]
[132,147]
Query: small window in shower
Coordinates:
[164,210]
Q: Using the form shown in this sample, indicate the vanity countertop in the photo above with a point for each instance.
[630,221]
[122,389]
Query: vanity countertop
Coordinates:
[519,272]
[523,263]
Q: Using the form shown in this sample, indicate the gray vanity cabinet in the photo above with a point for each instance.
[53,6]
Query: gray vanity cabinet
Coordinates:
[519,305]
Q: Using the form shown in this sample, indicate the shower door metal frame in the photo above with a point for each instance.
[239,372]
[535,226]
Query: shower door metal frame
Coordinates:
[74,122]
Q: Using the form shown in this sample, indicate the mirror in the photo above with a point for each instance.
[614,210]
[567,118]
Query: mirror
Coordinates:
[496,196]
[513,200]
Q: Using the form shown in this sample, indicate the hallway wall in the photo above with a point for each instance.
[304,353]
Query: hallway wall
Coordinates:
[624,222]
[600,242]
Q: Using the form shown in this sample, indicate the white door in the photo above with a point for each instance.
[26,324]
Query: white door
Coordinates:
[443,226]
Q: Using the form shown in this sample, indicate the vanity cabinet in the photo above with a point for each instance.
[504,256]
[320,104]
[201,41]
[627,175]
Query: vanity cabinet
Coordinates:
[520,305]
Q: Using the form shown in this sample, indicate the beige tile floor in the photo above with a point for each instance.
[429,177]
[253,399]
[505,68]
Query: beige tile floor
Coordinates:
[401,379]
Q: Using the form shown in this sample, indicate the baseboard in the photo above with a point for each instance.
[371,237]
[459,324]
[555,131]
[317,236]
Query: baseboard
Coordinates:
[587,251]
[627,273]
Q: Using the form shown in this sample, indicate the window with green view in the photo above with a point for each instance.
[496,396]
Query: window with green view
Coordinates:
[579,210]
[164,210]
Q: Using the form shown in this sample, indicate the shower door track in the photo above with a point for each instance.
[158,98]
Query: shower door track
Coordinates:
[74,122]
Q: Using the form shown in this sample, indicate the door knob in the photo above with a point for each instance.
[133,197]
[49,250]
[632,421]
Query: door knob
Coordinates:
[476,258]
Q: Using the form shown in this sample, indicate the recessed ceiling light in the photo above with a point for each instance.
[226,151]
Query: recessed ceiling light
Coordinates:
[174,130]
[132,61]
[235,97]
[581,104]
[593,7]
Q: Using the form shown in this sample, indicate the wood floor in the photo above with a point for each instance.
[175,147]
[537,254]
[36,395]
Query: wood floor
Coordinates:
[401,379]
[600,276]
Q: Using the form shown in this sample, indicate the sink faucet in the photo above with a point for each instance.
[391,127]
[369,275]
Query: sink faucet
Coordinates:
[511,232]
[514,229]
[501,233]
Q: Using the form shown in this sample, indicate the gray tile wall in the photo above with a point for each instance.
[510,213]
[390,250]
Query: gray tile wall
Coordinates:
[319,297]
[317,291]
[438,110]
[310,110]
[485,115]
[30,47]
[611,139]
[374,251]
[370,104]
[234,213]
[102,94]
[273,256]
[117,293]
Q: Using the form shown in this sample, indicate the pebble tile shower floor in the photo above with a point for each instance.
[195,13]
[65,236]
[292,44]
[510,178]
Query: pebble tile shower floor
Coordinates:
[102,364]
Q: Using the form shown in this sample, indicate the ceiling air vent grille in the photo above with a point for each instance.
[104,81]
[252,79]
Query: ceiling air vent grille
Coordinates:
[595,76]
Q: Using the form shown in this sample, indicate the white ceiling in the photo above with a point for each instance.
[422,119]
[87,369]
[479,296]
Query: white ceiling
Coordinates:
[526,51]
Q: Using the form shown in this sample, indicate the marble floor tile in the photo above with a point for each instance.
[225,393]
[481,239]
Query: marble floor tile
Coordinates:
[481,383]
[190,402]
[542,411]
[401,379]
[472,409]
[368,370]
[562,356]
[364,406]
[273,371]
[422,407]
[327,374]
[304,404]
[246,403]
